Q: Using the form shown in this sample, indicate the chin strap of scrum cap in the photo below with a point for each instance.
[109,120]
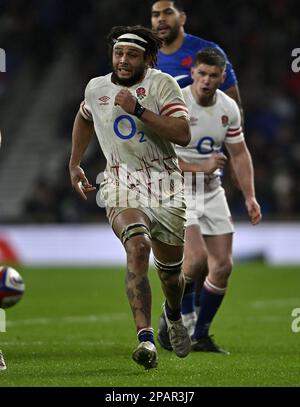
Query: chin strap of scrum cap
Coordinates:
[135,229]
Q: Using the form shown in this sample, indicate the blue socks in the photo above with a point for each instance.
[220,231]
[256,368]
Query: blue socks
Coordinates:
[173,315]
[211,298]
[187,305]
[146,334]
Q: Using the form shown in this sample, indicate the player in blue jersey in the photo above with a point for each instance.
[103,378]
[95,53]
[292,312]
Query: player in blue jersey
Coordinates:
[176,57]
[179,49]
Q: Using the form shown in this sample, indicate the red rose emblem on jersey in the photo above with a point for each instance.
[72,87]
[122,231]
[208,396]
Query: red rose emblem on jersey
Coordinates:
[140,93]
[225,120]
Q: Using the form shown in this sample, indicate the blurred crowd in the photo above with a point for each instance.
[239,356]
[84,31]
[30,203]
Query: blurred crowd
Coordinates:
[258,36]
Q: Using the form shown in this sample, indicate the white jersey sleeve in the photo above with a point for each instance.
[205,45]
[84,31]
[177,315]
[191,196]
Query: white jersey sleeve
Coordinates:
[235,132]
[171,102]
[85,109]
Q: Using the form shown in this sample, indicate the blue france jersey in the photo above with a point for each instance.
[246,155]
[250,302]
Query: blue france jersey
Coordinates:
[179,64]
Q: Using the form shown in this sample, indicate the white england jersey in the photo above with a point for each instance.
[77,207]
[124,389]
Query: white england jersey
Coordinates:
[211,126]
[127,141]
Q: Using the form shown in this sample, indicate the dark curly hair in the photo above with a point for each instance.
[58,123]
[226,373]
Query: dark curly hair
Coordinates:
[178,4]
[153,41]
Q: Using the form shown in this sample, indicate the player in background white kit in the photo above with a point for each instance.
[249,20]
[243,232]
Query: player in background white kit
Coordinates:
[138,113]
[214,120]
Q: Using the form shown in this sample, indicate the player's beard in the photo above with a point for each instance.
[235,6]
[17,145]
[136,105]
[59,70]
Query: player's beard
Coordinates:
[173,34]
[135,78]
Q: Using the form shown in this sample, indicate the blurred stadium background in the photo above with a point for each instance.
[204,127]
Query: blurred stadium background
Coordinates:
[53,48]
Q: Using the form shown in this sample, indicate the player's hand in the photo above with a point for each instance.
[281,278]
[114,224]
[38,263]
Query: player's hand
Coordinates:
[254,211]
[79,182]
[126,100]
[216,160]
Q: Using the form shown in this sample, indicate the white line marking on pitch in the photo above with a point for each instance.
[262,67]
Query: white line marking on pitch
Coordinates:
[278,303]
[69,320]
[70,341]
[267,318]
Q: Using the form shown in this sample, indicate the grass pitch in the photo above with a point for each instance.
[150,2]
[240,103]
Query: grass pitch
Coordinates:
[74,328]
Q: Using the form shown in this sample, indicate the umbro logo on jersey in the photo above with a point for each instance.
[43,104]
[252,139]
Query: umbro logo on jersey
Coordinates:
[104,100]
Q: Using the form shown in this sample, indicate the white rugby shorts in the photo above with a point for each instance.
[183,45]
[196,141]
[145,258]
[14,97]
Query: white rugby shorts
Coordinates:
[213,216]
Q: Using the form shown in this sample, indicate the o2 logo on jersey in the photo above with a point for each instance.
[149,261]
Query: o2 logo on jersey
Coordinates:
[126,121]
[296,61]
[205,145]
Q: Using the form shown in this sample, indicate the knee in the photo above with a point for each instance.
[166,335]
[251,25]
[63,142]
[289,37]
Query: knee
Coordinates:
[171,280]
[195,267]
[138,250]
[170,274]
[222,271]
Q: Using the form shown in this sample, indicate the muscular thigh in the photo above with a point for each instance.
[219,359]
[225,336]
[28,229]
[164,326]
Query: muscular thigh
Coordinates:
[219,249]
[166,253]
[194,247]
